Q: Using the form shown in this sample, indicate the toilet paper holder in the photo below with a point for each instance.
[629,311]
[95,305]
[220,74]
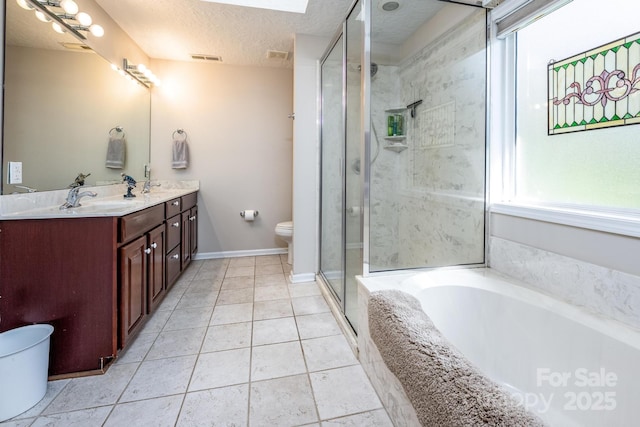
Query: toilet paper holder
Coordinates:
[244,213]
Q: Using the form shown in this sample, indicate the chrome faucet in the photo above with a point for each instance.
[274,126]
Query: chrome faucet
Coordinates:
[148,185]
[24,187]
[73,198]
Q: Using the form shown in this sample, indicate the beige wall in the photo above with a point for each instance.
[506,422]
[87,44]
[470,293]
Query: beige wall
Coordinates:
[240,142]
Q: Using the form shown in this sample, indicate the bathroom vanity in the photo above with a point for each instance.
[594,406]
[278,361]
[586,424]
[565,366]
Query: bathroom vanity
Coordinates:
[95,273]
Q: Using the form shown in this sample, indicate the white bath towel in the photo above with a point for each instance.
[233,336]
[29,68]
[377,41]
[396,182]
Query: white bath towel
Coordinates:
[180,154]
[116,152]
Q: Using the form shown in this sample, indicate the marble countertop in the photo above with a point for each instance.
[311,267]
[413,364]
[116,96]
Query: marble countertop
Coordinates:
[108,202]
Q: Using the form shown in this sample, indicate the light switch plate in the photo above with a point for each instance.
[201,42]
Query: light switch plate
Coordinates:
[15,173]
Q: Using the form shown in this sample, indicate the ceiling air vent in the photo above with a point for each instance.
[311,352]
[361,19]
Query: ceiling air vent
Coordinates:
[277,54]
[212,58]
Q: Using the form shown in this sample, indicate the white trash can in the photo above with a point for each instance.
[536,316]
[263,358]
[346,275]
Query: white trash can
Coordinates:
[24,366]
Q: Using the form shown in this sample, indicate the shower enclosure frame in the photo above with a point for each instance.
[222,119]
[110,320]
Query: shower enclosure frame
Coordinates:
[341,36]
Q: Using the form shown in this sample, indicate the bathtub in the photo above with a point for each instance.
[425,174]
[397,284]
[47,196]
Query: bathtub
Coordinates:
[570,367]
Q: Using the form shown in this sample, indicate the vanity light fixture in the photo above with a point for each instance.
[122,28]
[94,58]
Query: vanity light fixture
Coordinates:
[140,73]
[65,15]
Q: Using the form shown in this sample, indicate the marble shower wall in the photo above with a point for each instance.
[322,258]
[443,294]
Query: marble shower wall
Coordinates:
[427,202]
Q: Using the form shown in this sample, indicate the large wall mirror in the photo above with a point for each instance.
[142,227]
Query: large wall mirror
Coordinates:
[62,104]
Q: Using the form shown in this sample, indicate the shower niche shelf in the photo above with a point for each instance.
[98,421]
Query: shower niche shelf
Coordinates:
[396,147]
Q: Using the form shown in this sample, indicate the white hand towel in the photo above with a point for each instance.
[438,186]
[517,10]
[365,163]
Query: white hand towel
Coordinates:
[116,152]
[180,154]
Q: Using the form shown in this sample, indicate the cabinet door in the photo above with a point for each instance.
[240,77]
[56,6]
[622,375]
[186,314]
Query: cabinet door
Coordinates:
[156,286]
[186,239]
[133,287]
[193,231]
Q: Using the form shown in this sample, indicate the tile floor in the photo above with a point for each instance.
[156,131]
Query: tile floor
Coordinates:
[232,344]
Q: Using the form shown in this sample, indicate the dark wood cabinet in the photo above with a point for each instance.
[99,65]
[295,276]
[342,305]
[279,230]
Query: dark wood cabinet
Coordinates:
[133,287]
[189,228]
[156,278]
[63,272]
[95,280]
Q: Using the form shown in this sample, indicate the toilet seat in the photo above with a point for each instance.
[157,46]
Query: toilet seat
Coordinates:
[284,228]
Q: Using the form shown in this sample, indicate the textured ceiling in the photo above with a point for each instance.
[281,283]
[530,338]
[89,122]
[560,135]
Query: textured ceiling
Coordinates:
[177,29]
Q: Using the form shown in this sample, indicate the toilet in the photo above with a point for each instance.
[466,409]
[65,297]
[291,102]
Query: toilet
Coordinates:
[284,230]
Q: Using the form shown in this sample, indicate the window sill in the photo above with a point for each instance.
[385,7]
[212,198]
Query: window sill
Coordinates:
[626,223]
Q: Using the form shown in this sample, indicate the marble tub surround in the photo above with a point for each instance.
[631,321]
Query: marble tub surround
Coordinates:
[603,291]
[388,387]
[108,202]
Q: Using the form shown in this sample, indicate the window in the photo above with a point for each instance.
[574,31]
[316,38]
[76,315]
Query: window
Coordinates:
[598,168]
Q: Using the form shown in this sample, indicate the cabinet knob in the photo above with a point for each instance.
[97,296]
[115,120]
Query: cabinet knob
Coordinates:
[176,256]
[175,224]
[147,251]
[176,203]
[192,218]
[154,245]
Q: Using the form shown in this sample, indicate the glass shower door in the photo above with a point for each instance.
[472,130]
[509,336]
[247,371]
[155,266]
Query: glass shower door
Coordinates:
[354,164]
[332,167]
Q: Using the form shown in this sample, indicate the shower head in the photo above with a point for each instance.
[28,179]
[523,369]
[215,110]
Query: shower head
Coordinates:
[374,68]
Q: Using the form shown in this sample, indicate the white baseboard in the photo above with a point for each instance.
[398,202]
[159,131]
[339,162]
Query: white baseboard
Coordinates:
[235,254]
[302,277]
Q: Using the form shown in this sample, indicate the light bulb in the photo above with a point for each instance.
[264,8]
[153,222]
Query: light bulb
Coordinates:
[84,19]
[142,68]
[69,6]
[42,17]
[25,4]
[58,28]
[114,67]
[96,30]
[158,82]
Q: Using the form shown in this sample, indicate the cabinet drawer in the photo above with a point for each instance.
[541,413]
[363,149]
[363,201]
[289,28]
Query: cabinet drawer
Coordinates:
[137,223]
[173,266]
[189,201]
[173,207]
[173,232]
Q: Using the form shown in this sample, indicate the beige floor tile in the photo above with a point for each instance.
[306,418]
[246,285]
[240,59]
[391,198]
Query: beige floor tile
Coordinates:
[272,309]
[241,282]
[343,391]
[90,392]
[227,337]
[84,418]
[226,406]
[377,418]
[161,377]
[274,331]
[282,402]
[159,412]
[267,293]
[221,368]
[235,296]
[309,305]
[262,270]
[268,260]
[248,261]
[182,342]
[240,271]
[317,325]
[328,353]
[277,360]
[232,313]
[271,280]
[189,318]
